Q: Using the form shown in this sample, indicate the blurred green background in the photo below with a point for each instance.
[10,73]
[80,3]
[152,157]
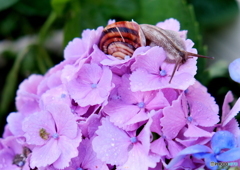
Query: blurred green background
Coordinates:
[33,35]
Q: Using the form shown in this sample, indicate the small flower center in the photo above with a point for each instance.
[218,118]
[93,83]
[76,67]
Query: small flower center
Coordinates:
[19,160]
[133,139]
[55,136]
[163,73]
[94,85]
[43,134]
[63,95]
[141,104]
[190,119]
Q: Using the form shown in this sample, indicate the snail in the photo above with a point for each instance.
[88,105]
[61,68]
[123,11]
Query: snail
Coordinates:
[121,39]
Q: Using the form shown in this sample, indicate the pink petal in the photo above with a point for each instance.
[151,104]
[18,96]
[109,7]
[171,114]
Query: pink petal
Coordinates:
[225,107]
[65,121]
[6,158]
[234,111]
[158,102]
[120,113]
[75,49]
[88,157]
[138,159]
[194,131]
[173,120]
[68,149]
[198,92]
[34,123]
[89,126]
[174,148]
[97,55]
[203,115]
[159,147]
[170,94]
[169,24]
[15,123]
[45,155]
[27,99]
[55,95]
[111,144]
[232,126]
[152,64]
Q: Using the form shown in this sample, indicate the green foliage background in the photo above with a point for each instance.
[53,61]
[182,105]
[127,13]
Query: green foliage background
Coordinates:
[26,17]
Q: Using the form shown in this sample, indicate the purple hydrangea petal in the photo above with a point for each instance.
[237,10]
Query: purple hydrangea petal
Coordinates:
[14,120]
[111,144]
[157,55]
[200,113]
[173,147]
[75,49]
[27,98]
[173,120]
[169,24]
[120,113]
[198,92]
[65,121]
[34,124]
[234,70]
[80,89]
[159,147]
[194,131]
[45,155]
[187,151]
[89,127]
[138,159]
[88,158]
[222,140]
[233,112]
[6,158]
[68,149]
[225,107]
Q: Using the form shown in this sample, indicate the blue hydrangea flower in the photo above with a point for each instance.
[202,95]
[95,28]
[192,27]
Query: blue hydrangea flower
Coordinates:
[223,149]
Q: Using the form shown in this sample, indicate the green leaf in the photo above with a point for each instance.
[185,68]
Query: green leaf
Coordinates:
[9,89]
[95,13]
[72,26]
[30,7]
[214,13]
[59,5]
[6,4]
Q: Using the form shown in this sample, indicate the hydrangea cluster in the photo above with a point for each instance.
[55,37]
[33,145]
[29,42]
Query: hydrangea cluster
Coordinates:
[93,111]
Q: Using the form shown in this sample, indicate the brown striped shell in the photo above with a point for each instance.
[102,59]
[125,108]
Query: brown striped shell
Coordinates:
[121,39]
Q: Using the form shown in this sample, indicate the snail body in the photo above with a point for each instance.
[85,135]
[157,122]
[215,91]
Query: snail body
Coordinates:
[120,39]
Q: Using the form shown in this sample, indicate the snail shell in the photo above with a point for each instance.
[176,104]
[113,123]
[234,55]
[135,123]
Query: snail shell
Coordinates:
[121,39]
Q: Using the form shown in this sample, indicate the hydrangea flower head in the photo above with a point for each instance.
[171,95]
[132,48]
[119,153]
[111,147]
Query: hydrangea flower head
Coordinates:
[94,111]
